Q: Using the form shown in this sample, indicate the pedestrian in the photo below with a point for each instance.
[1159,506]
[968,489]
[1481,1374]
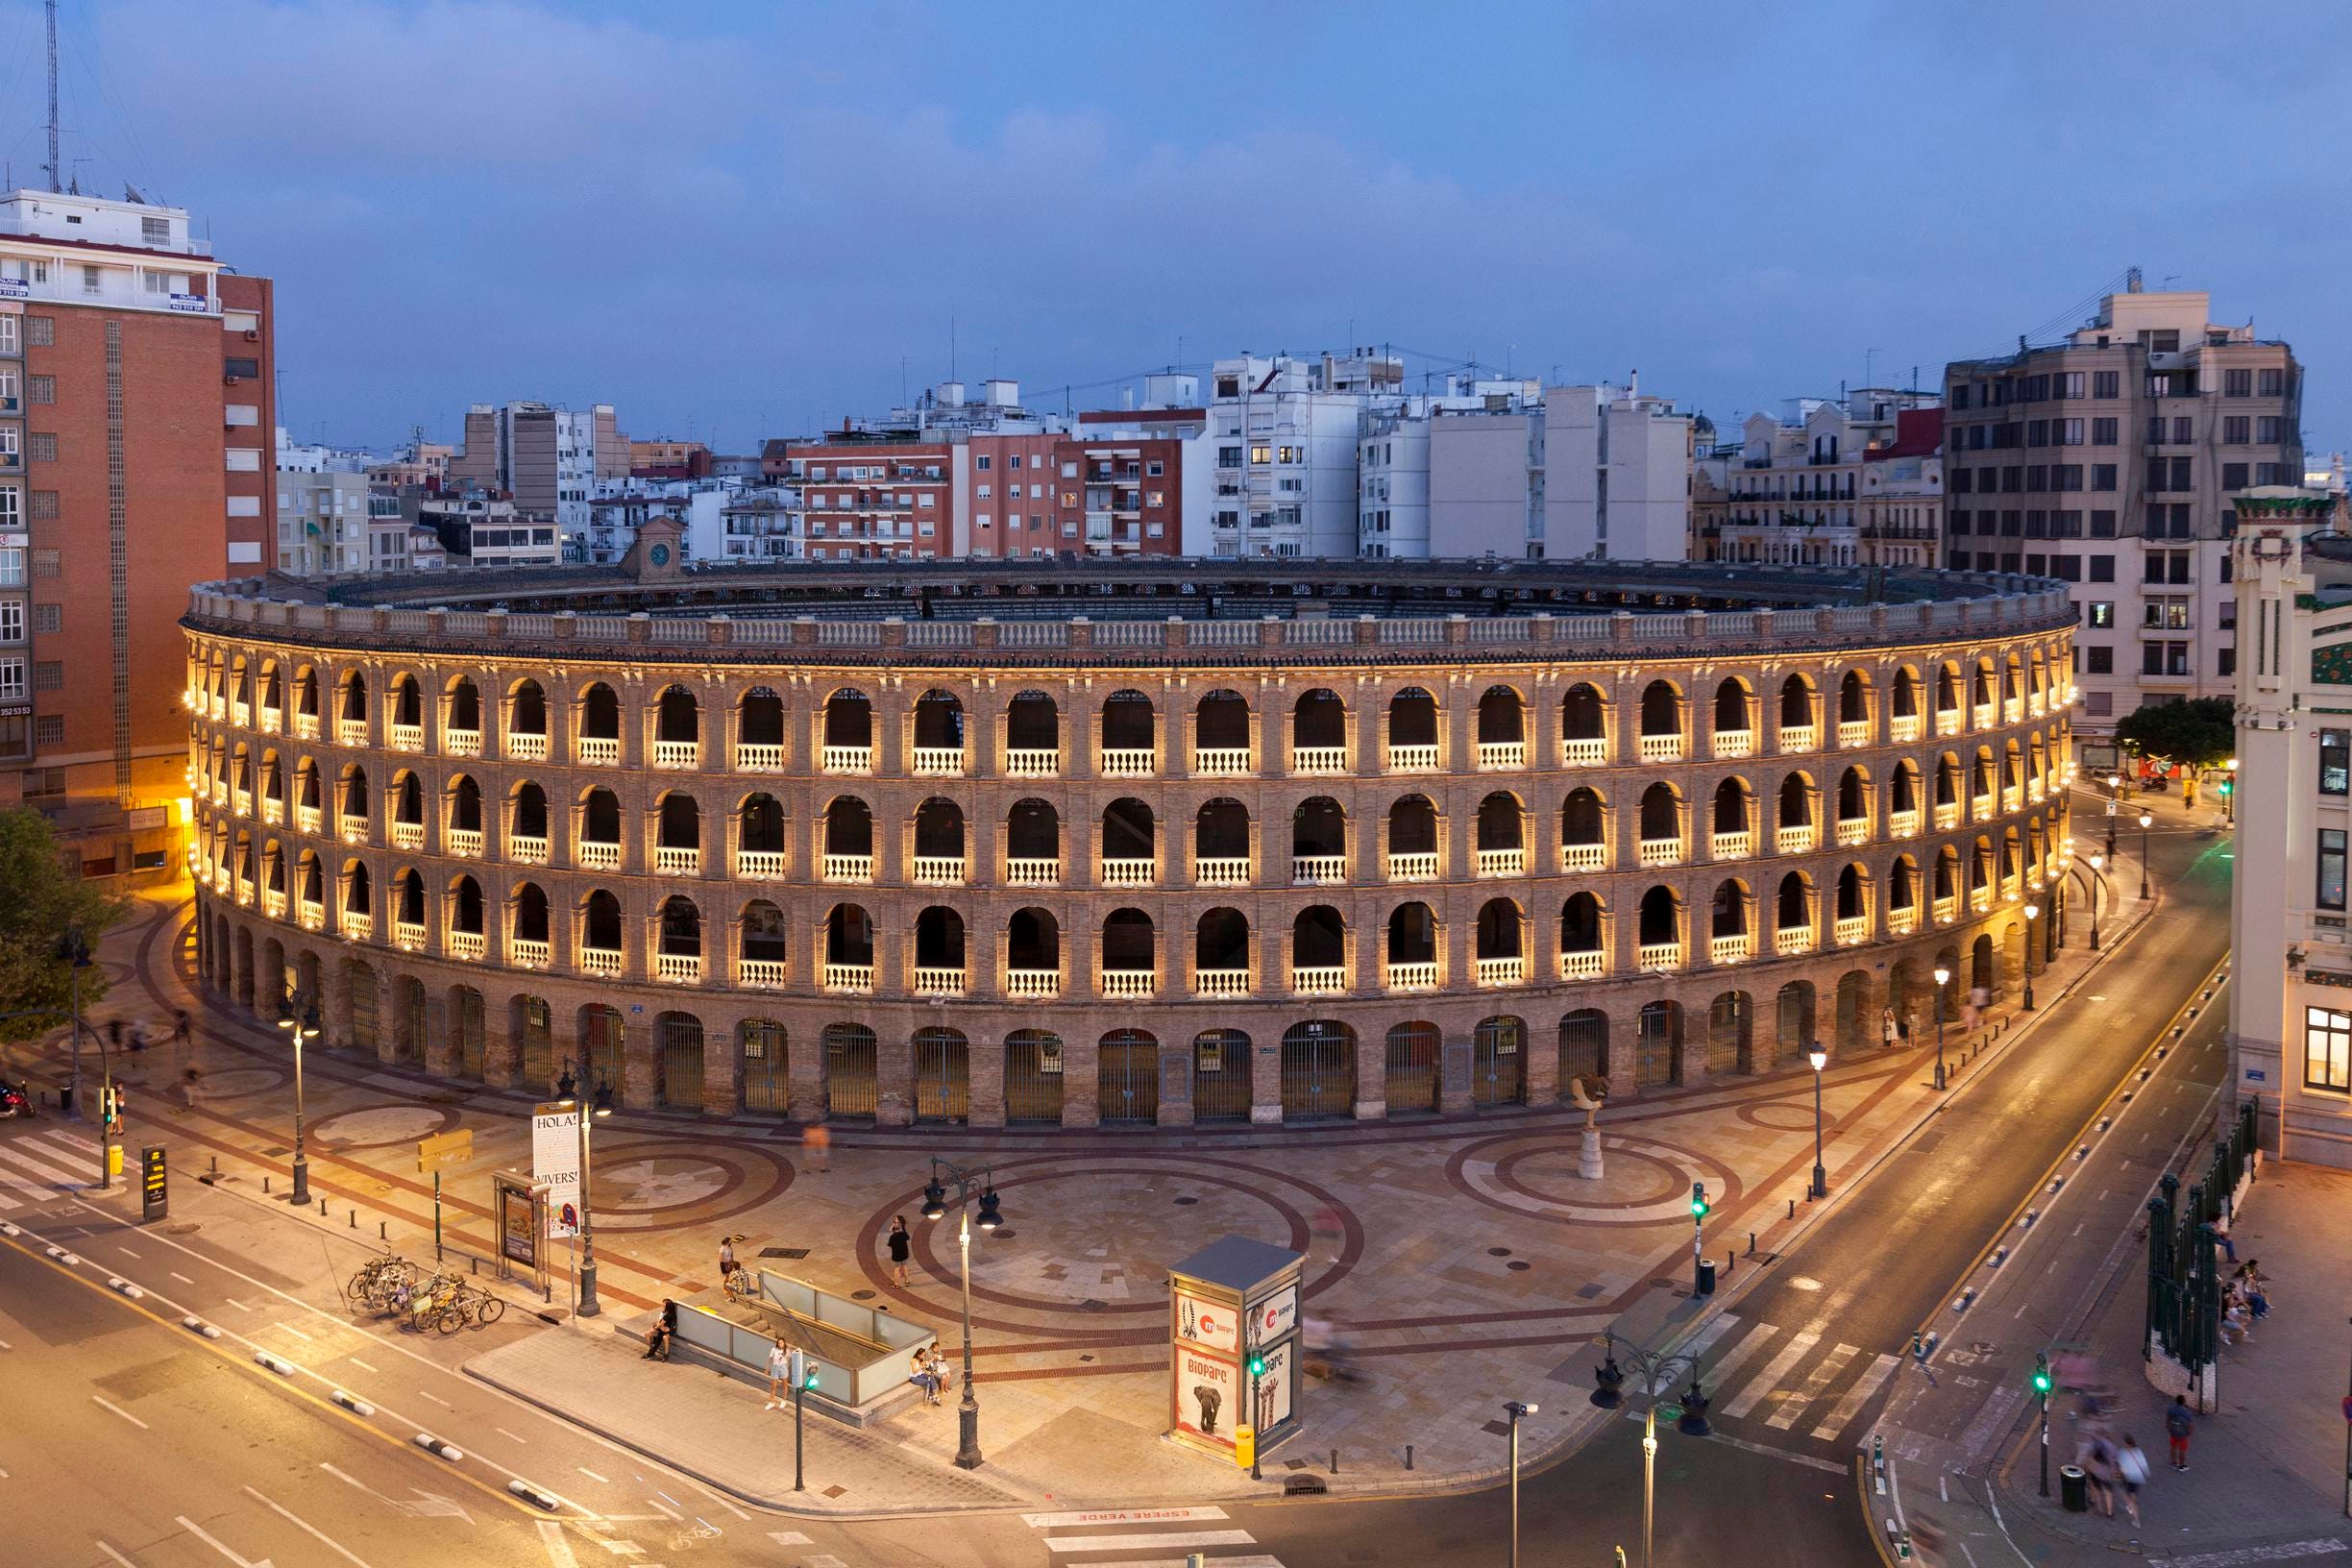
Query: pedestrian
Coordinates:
[920,1373]
[181,1035]
[940,1373]
[780,1373]
[1887,1034]
[138,1038]
[659,1335]
[115,1033]
[902,1243]
[2132,1465]
[2179,1424]
[727,1258]
[817,1139]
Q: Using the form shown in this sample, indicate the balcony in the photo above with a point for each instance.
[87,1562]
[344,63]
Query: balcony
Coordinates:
[1658,852]
[1659,957]
[1575,857]
[1982,807]
[1730,743]
[1033,761]
[847,869]
[1584,752]
[938,980]
[1798,738]
[1033,985]
[1583,963]
[1217,983]
[1735,948]
[1737,845]
[1128,985]
[1412,976]
[605,963]
[1947,720]
[1317,870]
[939,870]
[526,849]
[218,706]
[1661,747]
[312,914]
[1980,900]
[358,924]
[1793,841]
[1903,824]
[1418,866]
[305,727]
[1129,762]
[1132,873]
[1947,909]
[1221,871]
[464,840]
[1984,716]
[352,731]
[676,755]
[763,864]
[528,953]
[241,802]
[592,856]
[2034,791]
[599,750]
[1791,940]
[1413,759]
[2037,705]
[1219,762]
[527,746]
[1033,871]
[761,973]
[354,829]
[673,860]
[1319,980]
[240,715]
[274,903]
[758,757]
[846,759]
[461,743]
[1853,831]
[2013,797]
[1902,922]
[1319,760]
[939,761]
[2013,709]
[854,978]
[1852,733]
[469,946]
[1852,930]
[1501,862]
[1500,971]
[1501,755]
[408,936]
[1903,728]
[407,737]
[1946,814]
[272,719]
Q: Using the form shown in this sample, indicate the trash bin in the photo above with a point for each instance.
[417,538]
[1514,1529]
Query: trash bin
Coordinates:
[2073,1489]
[1707,1276]
[114,1159]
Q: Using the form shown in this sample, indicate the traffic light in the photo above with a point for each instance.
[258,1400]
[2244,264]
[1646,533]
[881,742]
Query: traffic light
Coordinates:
[1698,1200]
[1257,1364]
[2228,786]
[2041,1375]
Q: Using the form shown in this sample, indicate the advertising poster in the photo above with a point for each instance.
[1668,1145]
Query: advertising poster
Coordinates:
[1272,1317]
[1211,1325]
[1274,1387]
[556,1165]
[1208,1400]
[516,1242]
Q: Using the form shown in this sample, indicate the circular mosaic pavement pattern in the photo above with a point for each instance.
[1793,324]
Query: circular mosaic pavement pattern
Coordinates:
[1645,1181]
[661,1183]
[382,1126]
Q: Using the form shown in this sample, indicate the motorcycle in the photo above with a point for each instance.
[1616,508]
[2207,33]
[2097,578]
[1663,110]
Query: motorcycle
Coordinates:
[15,1100]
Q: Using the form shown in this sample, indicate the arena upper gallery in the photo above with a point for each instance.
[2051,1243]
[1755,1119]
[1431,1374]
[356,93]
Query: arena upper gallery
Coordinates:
[1117,841]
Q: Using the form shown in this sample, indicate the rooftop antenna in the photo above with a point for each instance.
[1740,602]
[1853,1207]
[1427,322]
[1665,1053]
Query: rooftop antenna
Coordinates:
[51,9]
[1869,359]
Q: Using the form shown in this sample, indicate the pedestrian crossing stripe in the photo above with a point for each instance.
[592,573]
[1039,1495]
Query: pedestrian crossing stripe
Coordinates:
[1766,1381]
[50,1177]
[1729,1362]
[1773,1388]
[1857,1396]
[1825,1373]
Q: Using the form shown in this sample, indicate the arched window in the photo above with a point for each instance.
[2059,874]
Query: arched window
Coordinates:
[1412,729]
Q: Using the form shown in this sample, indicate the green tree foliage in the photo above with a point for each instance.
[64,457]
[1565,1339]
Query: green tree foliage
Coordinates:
[2199,735]
[40,902]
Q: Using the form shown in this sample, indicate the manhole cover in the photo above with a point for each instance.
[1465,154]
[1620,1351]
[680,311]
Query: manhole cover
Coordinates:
[183,1229]
[1498,1252]
[1665,1284]
[861,1295]
[1086,1358]
[277,1152]
[1517,1265]
[1586,1292]
[1002,1233]
[1186,1202]
[835,1491]
[1091,1305]
[784,1252]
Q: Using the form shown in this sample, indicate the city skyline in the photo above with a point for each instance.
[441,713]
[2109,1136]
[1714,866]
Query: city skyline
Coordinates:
[1715,234]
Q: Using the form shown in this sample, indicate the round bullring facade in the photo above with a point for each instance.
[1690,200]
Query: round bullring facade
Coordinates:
[1080,845]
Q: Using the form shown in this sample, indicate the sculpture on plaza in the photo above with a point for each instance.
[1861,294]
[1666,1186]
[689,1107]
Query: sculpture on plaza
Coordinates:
[1588,1091]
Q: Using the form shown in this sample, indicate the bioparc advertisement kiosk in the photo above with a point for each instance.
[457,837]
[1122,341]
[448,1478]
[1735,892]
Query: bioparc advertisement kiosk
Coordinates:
[1233,1306]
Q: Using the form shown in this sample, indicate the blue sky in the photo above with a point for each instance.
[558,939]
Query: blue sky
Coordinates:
[740,219]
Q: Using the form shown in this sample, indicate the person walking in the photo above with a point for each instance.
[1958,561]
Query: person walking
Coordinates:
[727,1258]
[2131,1464]
[901,1243]
[817,1138]
[181,1033]
[780,1373]
[2180,1423]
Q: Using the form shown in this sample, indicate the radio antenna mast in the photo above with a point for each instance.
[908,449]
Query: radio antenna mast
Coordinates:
[51,8]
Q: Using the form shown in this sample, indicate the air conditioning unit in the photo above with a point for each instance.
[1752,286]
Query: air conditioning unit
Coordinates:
[253,334]
[229,381]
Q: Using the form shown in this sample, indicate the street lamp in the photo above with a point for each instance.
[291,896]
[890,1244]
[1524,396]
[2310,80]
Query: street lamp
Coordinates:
[302,1024]
[2114,794]
[992,1216]
[1514,1410]
[1943,979]
[1820,1059]
[74,949]
[567,1092]
[2098,882]
[1608,1384]
[2033,912]
[2147,819]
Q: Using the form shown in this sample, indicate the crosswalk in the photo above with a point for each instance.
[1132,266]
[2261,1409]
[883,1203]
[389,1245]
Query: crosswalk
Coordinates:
[42,1167]
[1147,1539]
[1789,1389]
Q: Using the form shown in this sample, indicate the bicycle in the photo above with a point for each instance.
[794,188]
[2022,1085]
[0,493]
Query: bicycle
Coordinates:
[378,1280]
[471,1303]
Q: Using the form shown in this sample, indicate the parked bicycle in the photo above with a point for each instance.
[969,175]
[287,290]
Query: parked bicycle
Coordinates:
[379,1281]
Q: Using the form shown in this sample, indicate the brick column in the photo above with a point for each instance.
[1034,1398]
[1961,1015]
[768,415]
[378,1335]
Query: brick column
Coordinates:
[987,1087]
[1176,1082]
[502,1044]
[1082,1079]
[1266,1081]
[722,1072]
[441,1052]
[895,1071]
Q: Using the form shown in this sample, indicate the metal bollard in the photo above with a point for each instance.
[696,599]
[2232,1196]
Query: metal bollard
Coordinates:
[1792,1209]
[216,1164]
[1409,1455]
[265,1184]
[1751,1243]
[1334,1461]
[380,1232]
[322,1207]
[1728,1259]
[354,1216]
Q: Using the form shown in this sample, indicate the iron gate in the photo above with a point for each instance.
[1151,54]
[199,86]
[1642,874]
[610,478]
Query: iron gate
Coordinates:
[365,1029]
[607,1046]
[942,1075]
[538,1045]
[1583,1047]
[1853,1000]
[766,1083]
[1497,1063]
[1127,1077]
[1727,1033]
[1792,1023]
[412,1019]
[1221,1076]
[1032,1077]
[680,1035]
[1319,1070]
[851,1086]
[1415,1051]
[1654,1046]
[468,1022]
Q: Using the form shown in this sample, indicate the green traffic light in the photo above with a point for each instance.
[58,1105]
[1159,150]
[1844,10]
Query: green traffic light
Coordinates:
[1256,1366]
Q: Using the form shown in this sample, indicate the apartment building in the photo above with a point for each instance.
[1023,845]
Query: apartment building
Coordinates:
[135,427]
[476,530]
[1844,481]
[1137,481]
[1617,475]
[2110,460]
[666,460]
[550,460]
[867,498]
[322,521]
[1452,473]
[2290,920]
[1285,431]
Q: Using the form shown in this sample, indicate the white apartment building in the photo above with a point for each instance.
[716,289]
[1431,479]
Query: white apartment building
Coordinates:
[1829,485]
[1452,473]
[1284,431]
[397,542]
[1617,475]
[548,460]
[746,524]
[2291,990]
[322,522]
[2110,460]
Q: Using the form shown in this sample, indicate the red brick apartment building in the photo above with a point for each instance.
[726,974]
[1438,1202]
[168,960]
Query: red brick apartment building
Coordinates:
[137,422]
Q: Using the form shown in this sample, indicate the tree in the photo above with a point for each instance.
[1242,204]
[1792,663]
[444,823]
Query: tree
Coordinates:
[2199,735]
[40,902]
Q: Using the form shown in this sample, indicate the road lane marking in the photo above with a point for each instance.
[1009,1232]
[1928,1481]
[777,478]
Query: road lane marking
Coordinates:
[117,1556]
[361,1364]
[295,1331]
[305,1526]
[1773,1370]
[437,1400]
[182,1278]
[788,1537]
[238,1304]
[4,1345]
[120,1410]
[558,1546]
[1113,1516]
[1855,1397]
[125,1251]
[16,1153]
[1183,1540]
[1825,1373]
[198,1530]
[510,1436]
[1723,1325]
[592,1475]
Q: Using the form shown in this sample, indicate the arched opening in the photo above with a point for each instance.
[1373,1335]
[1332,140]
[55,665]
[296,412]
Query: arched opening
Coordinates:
[1127,1077]
[1661,824]
[1413,946]
[600,926]
[942,1075]
[1130,843]
[1501,832]
[1412,839]
[1657,1045]
[465,909]
[1319,732]
[678,1061]
[1318,950]
[677,726]
[407,710]
[528,930]
[1220,1076]
[358,898]
[600,720]
[1500,955]
[1584,725]
[1797,732]
[849,840]
[1793,914]
[1583,940]
[1129,959]
[681,935]
[938,733]
[1033,954]
[407,904]
[1729,1042]
[1983,972]
[1854,707]
[1318,842]
[599,831]
[1854,806]
[1583,831]
[1319,1070]
[677,834]
[852,1087]
[759,836]
[1734,726]
[848,729]
[1416,1056]
[1221,953]
[1728,821]
[849,945]
[1793,1031]
[527,721]
[759,730]
[762,948]
[1854,1021]
[1033,748]
[1661,720]
[1033,844]
[1412,729]
[1502,729]
[1661,927]
[939,841]
[939,951]
[1130,735]
[766,1071]
[1584,1048]
[465,815]
[1033,1078]
[1498,1062]
[1221,734]
[1794,815]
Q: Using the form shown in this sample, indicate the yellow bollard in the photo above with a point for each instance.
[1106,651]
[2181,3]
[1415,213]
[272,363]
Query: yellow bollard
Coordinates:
[114,1159]
[1245,1446]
